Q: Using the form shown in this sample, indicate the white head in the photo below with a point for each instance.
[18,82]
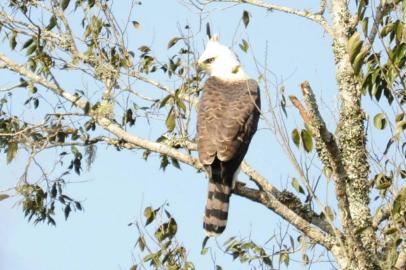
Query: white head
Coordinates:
[219,61]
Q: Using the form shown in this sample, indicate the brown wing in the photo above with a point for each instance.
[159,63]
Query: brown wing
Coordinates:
[227,119]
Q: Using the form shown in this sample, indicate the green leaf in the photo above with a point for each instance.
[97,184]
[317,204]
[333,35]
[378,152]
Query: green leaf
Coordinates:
[3,196]
[31,49]
[399,202]
[307,140]
[67,211]
[75,151]
[136,25]
[391,231]
[204,251]
[144,49]
[175,163]
[246,18]
[52,23]
[173,41]
[78,206]
[141,243]
[149,215]
[354,46]
[387,29]
[27,43]
[382,181]
[268,261]
[180,104]
[400,32]
[86,110]
[148,257]
[165,100]
[400,126]
[170,120]
[380,121]
[296,137]
[327,171]
[235,69]
[11,151]
[208,32]
[297,186]
[91,3]
[173,227]
[64,4]
[284,257]
[305,259]
[244,46]
[13,40]
[359,60]
[364,25]
[399,117]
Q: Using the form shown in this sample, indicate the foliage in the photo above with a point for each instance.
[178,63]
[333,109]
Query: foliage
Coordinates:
[158,247]
[64,39]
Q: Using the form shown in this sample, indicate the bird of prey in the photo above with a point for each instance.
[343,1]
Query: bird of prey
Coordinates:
[228,116]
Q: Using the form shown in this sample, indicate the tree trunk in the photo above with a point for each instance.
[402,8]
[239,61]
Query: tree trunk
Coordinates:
[352,143]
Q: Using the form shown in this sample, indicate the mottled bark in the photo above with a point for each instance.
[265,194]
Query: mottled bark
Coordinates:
[352,141]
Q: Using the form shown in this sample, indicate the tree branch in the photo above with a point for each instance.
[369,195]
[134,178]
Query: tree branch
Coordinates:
[266,196]
[379,12]
[327,148]
[77,101]
[275,205]
[330,156]
[351,140]
[315,17]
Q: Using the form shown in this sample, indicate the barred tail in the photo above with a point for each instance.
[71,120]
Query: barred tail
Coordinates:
[215,219]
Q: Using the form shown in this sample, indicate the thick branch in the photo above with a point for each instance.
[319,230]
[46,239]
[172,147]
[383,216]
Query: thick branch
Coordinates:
[351,140]
[258,196]
[330,156]
[327,149]
[275,205]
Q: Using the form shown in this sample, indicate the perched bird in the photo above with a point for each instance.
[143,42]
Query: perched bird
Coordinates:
[228,116]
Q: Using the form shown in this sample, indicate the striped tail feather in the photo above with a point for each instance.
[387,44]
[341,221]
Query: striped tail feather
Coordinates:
[215,219]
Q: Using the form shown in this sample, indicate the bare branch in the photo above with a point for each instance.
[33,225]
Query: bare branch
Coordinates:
[301,109]
[188,98]
[379,12]
[315,17]
[322,9]
[72,44]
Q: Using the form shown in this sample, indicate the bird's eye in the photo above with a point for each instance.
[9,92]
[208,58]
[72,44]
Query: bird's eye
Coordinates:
[209,60]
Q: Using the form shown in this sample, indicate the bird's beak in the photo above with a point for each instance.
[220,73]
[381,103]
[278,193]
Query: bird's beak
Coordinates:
[201,67]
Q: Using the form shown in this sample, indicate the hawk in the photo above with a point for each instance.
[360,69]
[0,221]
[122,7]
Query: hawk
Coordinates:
[228,116]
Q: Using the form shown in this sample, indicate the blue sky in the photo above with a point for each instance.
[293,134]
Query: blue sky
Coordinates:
[120,184]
